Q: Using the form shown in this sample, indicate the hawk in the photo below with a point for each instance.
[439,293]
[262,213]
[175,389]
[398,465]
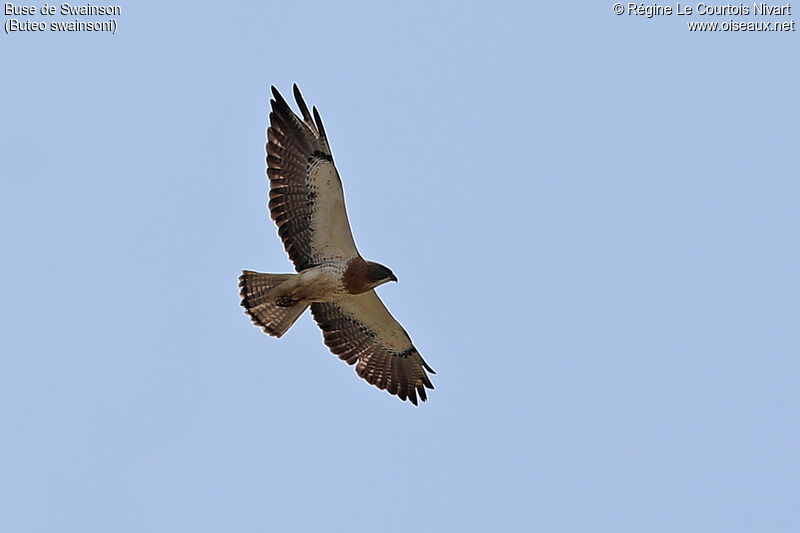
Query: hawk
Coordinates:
[306,202]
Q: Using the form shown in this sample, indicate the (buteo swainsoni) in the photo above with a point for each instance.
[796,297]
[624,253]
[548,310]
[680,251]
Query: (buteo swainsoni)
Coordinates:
[307,203]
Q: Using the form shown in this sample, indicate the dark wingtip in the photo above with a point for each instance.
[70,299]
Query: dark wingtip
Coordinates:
[301,103]
[278,98]
[318,121]
[422,394]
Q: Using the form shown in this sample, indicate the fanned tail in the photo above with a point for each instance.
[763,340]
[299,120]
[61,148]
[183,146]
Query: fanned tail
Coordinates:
[265,302]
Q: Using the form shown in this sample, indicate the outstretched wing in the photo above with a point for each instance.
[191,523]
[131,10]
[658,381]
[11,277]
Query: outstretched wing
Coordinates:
[306,200]
[359,329]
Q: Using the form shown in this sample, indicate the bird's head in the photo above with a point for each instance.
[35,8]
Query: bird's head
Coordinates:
[378,274]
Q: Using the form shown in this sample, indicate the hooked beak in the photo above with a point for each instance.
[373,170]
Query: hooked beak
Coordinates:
[393,278]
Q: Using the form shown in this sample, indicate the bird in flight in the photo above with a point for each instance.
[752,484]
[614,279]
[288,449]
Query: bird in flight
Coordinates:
[306,202]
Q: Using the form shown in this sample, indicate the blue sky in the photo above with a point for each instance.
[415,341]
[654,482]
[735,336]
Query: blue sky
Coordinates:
[594,220]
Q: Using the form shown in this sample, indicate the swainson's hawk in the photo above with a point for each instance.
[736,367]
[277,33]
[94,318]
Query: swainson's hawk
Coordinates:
[307,203]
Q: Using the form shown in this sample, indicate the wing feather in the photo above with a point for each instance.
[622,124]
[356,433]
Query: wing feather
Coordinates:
[359,329]
[301,103]
[306,199]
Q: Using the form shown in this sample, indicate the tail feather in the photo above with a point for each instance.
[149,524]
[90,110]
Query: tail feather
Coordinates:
[265,301]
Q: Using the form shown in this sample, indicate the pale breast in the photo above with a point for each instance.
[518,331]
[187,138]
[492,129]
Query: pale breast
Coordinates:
[323,282]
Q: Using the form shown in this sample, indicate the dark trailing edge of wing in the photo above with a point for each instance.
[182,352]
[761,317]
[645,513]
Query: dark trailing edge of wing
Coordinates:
[399,373]
[292,141]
